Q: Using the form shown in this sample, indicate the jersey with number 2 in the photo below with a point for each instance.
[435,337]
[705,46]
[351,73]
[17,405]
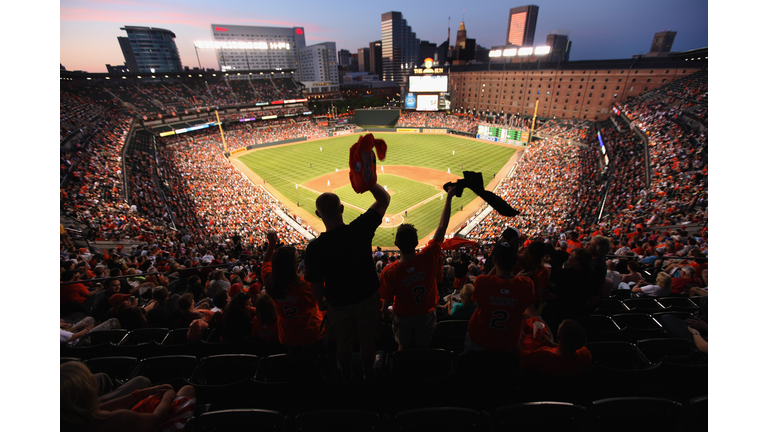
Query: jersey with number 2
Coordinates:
[497,321]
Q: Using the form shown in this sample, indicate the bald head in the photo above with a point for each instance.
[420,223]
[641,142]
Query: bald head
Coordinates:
[329,206]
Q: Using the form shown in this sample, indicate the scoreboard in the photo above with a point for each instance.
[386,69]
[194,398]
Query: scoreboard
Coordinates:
[502,135]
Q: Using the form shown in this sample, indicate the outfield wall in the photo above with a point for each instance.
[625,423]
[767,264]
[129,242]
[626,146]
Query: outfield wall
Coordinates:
[377,117]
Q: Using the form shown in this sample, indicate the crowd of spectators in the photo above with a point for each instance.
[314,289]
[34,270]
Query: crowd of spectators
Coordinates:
[150,98]
[571,129]
[555,184]
[209,196]
[438,119]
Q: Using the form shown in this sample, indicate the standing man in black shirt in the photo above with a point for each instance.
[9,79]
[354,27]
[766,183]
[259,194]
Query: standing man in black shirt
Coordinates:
[343,276]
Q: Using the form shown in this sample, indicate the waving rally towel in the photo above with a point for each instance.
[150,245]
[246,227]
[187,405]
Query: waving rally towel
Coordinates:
[362,162]
[474,182]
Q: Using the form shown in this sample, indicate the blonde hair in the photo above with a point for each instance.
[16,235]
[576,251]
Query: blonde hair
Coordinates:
[466,294]
[664,280]
[78,397]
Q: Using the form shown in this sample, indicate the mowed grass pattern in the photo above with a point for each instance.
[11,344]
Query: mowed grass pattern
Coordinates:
[287,166]
[404,193]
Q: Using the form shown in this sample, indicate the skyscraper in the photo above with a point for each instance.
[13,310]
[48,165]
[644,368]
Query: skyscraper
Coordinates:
[521,26]
[560,46]
[364,59]
[374,50]
[150,49]
[400,48]
[258,48]
[662,43]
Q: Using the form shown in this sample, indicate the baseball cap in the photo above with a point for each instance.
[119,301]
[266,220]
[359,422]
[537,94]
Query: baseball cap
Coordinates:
[118,298]
[235,289]
[505,252]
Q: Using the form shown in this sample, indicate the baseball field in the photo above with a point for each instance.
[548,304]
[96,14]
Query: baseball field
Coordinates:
[415,168]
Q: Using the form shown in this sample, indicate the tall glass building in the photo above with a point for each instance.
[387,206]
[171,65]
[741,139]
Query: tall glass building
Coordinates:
[150,49]
[522,25]
[399,48]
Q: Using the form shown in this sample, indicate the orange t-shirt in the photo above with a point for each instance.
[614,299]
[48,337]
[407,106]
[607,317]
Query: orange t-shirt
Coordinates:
[299,319]
[265,332]
[501,303]
[548,360]
[76,292]
[573,245]
[413,284]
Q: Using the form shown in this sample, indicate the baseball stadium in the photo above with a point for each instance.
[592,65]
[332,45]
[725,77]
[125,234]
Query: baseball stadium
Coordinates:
[185,196]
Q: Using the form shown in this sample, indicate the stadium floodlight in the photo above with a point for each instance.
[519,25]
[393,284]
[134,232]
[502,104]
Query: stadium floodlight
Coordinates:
[525,51]
[510,52]
[542,50]
[495,53]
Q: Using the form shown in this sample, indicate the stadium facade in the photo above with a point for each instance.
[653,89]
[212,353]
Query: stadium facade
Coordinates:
[575,89]
[150,50]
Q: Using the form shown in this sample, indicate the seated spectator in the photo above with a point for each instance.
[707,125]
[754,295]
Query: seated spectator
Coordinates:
[75,334]
[81,409]
[662,288]
[124,308]
[161,309]
[264,324]
[683,284]
[633,275]
[570,289]
[462,310]
[101,302]
[566,358]
[75,292]
[236,319]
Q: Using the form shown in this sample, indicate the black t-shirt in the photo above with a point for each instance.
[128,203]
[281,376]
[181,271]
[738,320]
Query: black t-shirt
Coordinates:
[460,269]
[342,259]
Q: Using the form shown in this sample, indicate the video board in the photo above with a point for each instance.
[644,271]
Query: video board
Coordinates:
[428,83]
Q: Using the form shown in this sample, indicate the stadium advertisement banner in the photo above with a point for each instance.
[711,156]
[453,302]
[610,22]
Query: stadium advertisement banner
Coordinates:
[342,132]
[410,101]
[261,103]
[240,150]
[322,124]
[407,130]
[307,113]
[269,117]
[434,131]
[163,134]
[247,120]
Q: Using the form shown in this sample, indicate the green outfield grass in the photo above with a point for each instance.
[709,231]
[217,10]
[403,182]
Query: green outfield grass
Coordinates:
[403,192]
[288,166]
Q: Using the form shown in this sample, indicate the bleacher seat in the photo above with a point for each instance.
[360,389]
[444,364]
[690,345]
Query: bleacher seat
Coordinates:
[439,419]
[644,305]
[118,368]
[601,328]
[236,420]
[636,413]
[611,306]
[679,304]
[638,326]
[337,420]
[165,369]
[541,416]
[223,380]
[449,335]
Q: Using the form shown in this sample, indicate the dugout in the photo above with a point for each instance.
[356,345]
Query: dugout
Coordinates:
[377,117]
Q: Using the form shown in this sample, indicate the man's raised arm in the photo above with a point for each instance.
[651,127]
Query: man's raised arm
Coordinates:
[445,216]
[382,199]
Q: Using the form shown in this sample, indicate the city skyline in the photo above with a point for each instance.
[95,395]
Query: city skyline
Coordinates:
[599,29]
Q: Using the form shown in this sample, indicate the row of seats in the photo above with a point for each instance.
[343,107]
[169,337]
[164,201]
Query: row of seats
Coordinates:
[655,367]
[656,414]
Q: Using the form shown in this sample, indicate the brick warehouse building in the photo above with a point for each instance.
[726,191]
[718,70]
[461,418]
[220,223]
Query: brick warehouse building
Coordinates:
[576,89]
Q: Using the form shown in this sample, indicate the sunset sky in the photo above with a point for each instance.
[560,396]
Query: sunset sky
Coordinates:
[598,29]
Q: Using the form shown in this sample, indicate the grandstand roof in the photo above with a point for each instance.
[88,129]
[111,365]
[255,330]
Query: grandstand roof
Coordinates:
[632,63]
